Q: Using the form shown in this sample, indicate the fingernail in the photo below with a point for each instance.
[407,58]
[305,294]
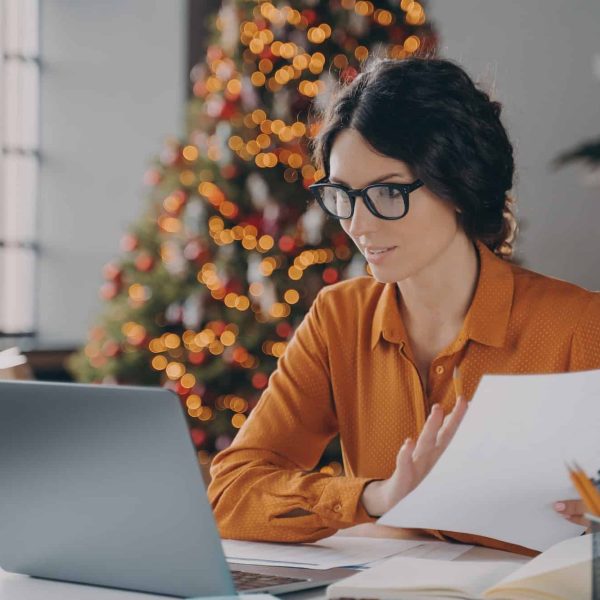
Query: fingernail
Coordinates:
[560,506]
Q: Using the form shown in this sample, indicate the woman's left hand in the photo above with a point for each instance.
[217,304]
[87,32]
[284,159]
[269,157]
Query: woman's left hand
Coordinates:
[572,510]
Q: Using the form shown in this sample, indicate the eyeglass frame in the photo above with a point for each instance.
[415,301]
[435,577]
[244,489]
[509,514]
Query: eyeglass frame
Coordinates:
[404,188]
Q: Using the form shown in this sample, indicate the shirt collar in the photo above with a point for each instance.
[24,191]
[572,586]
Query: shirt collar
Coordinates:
[486,320]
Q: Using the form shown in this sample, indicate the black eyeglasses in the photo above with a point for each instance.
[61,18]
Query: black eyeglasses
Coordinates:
[385,200]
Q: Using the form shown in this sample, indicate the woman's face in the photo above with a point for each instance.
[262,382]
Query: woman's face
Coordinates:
[417,239]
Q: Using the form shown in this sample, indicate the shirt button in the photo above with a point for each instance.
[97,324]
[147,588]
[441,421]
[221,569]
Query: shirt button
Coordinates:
[439,369]
[337,507]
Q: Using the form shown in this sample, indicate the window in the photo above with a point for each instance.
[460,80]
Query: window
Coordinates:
[19,163]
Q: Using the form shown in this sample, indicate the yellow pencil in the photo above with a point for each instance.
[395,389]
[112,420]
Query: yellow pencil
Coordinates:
[586,489]
[458,387]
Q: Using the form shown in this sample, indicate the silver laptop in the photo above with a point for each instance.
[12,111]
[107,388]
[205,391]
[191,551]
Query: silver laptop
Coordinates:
[100,485]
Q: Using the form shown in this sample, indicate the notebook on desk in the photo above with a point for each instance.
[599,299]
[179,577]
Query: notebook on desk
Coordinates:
[563,572]
[100,485]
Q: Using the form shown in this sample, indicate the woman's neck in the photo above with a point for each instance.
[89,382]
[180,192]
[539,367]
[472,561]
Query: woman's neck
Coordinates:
[438,297]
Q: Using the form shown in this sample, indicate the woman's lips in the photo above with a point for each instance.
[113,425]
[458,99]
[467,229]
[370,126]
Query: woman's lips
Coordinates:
[376,254]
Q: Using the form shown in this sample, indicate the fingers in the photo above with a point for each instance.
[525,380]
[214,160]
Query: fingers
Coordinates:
[429,433]
[573,511]
[451,422]
[404,456]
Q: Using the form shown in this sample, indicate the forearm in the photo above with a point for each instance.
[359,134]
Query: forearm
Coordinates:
[266,502]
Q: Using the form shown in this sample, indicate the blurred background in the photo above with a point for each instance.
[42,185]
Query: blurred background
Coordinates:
[105,117]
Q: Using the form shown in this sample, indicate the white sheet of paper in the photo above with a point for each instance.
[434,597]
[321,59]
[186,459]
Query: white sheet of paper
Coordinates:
[505,467]
[430,550]
[328,553]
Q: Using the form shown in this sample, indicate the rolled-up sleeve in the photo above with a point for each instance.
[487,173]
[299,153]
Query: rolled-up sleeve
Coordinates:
[266,472]
[585,343]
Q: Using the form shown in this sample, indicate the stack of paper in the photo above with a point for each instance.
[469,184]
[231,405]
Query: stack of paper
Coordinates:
[336,551]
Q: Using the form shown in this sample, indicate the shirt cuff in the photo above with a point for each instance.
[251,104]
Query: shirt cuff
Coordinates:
[340,502]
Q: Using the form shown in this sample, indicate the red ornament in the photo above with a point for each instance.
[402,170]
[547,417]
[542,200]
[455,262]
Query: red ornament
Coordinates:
[109,290]
[196,358]
[284,330]
[218,327]
[286,243]
[129,242]
[144,262]
[228,110]
[260,380]
[198,436]
[340,239]
[111,348]
[182,391]
[112,272]
[152,177]
[310,15]
[234,286]
[348,74]
[330,275]
[229,171]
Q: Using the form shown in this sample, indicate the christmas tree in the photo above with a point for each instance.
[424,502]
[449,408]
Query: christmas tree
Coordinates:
[230,253]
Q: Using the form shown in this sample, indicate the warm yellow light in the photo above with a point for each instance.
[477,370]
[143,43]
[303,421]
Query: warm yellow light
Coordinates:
[265,65]
[412,43]
[215,224]
[193,401]
[263,140]
[175,370]
[295,160]
[230,300]
[258,116]
[234,86]
[227,338]
[256,46]
[291,296]
[294,273]
[216,347]
[242,303]
[190,153]
[238,420]
[256,288]
[171,341]
[156,345]
[159,363]
[300,61]
[252,147]
[235,142]
[188,381]
[257,78]
[361,52]
[298,129]
[266,242]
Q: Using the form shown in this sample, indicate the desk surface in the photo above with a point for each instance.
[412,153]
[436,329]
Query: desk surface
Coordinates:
[21,587]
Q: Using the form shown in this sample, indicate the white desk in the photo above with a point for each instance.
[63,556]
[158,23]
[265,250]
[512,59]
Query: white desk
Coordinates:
[21,587]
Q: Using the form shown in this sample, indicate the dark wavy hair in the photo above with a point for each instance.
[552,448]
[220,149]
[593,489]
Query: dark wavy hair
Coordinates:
[428,113]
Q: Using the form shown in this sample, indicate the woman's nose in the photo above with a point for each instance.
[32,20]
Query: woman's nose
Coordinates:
[363,220]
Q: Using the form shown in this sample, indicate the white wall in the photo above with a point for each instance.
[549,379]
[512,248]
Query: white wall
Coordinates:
[540,54]
[113,87]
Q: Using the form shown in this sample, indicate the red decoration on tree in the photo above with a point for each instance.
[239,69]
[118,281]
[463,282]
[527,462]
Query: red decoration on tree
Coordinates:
[129,242]
[330,275]
[144,262]
[198,436]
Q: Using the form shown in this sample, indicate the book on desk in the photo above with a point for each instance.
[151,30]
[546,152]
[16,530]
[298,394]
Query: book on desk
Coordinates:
[563,572]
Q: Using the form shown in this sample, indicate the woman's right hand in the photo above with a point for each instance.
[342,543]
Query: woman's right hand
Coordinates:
[414,459]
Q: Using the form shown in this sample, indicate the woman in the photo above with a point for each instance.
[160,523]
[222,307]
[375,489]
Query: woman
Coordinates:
[417,168]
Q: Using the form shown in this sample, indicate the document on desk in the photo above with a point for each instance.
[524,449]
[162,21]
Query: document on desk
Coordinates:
[505,467]
[328,553]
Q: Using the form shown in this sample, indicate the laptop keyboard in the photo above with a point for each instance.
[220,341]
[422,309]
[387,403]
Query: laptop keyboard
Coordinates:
[249,581]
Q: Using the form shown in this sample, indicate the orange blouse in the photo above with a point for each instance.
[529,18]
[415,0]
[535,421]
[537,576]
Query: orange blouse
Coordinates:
[349,370]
